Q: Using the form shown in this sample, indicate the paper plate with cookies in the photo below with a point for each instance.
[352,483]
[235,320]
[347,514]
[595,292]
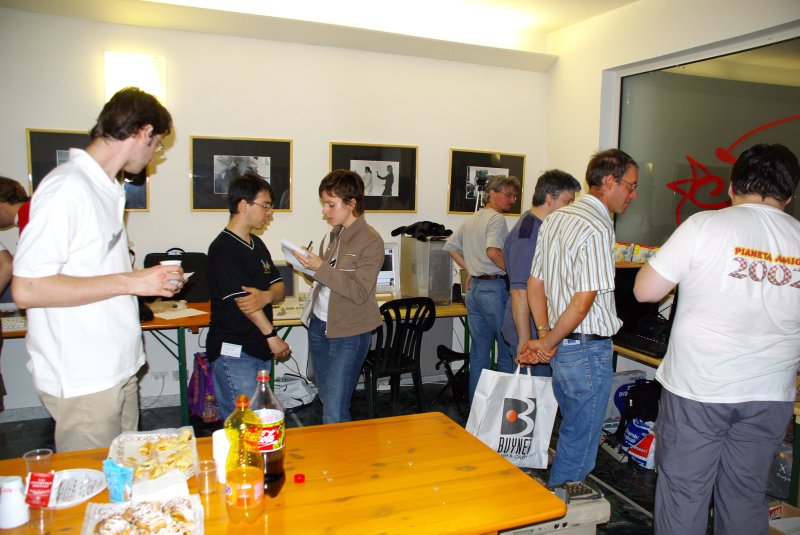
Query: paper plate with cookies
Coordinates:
[152,454]
[176,515]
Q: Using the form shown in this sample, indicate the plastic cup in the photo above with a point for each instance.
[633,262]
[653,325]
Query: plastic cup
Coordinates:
[41,520]
[38,461]
[172,263]
[207,477]
[220,446]
[13,511]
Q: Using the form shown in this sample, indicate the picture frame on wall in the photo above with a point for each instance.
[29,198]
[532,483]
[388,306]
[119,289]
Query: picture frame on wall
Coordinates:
[389,173]
[469,172]
[217,160]
[48,149]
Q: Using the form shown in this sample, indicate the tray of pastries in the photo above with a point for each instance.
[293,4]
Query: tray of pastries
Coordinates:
[152,454]
[174,516]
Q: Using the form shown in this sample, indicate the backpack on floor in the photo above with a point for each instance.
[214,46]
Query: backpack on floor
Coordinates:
[635,431]
[202,399]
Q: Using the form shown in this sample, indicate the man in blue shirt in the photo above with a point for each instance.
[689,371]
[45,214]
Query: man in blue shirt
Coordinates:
[554,189]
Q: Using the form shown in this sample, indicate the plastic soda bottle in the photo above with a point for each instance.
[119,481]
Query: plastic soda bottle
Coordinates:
[273,427]
[244,490]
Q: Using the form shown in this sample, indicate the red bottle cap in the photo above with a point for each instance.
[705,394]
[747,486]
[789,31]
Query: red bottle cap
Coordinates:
[242,401]
[299,478]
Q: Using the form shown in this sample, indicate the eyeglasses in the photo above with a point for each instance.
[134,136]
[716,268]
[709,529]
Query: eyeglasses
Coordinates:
[159,143]
[265,206]
[509,194]
[633,187]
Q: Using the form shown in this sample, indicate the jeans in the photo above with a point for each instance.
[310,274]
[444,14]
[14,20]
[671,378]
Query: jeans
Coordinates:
[234,376]
[486,306]
[337,364]
[582,378]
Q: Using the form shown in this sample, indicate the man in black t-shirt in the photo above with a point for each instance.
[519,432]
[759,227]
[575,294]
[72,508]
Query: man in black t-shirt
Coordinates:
[243,283]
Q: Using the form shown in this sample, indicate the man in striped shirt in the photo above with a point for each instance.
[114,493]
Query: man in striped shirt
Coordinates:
[571,294]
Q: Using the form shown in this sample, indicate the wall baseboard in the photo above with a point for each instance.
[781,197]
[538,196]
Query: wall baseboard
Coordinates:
[156,402]
[33,413]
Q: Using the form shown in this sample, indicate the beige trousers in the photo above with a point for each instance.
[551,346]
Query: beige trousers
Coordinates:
[94,420]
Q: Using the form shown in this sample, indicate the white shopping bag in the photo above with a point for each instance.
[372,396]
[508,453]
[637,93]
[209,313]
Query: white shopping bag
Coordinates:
[513,413]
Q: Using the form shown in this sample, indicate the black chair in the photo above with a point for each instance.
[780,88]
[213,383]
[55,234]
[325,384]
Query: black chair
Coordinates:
[457,381]
[396,349]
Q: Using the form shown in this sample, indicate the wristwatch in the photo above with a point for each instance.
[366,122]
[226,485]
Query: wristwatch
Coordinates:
[273,334]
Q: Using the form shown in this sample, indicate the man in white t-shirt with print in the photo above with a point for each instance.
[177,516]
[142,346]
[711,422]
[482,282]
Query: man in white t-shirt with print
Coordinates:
[729,372]
[72,271]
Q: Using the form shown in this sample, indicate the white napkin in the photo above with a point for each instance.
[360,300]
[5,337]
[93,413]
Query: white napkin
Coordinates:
[170,485]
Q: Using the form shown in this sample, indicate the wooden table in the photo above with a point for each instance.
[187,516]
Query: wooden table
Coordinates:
[421,473]
[177,347]
[653,362]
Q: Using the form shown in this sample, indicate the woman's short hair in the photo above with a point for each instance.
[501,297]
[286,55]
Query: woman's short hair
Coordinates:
[347,185]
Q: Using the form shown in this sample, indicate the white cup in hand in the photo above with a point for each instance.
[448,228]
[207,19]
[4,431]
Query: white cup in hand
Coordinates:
[172,263]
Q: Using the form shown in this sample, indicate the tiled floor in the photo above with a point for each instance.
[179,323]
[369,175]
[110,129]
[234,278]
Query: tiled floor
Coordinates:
[629,488]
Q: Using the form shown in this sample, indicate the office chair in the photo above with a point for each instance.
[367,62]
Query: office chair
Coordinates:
[396,349]
[457,381]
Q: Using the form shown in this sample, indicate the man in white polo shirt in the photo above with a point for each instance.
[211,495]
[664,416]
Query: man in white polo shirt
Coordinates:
[72,271]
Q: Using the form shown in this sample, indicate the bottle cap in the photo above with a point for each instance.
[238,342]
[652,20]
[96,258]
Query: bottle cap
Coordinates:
[263,375]
[299,478]
[242,401]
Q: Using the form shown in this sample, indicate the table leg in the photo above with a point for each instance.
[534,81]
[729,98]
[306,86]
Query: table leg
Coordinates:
[182,378]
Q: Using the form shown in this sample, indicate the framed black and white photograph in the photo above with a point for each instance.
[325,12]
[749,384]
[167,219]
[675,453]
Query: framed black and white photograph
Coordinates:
[48,149]
[389,173]
[470,171]
[216,161]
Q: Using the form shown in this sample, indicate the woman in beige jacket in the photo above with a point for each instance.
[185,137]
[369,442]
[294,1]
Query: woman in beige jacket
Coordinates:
[345,311]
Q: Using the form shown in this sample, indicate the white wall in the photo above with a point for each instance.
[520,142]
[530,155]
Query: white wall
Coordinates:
[224,86]
[233,87]
[582,118]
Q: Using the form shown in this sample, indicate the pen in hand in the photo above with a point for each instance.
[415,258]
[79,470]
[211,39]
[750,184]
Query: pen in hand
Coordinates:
[309,245]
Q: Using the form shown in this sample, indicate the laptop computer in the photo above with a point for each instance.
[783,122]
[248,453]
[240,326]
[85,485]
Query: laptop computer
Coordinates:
[645,329]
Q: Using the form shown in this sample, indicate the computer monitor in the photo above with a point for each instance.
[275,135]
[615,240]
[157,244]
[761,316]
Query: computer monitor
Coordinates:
[287,274]
[645,328]
[389,276]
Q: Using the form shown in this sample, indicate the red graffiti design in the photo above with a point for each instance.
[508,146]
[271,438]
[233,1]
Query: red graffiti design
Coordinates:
[702,177]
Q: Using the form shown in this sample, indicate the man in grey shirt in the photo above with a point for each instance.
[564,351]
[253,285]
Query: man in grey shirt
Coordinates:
[477,246]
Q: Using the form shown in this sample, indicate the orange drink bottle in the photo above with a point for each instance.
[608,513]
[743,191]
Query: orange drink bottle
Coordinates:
[244,468]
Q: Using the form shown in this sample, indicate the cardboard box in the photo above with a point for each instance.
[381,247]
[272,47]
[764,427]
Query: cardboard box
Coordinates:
[784,519]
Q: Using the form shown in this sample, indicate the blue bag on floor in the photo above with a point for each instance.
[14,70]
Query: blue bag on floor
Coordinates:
[639,443]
